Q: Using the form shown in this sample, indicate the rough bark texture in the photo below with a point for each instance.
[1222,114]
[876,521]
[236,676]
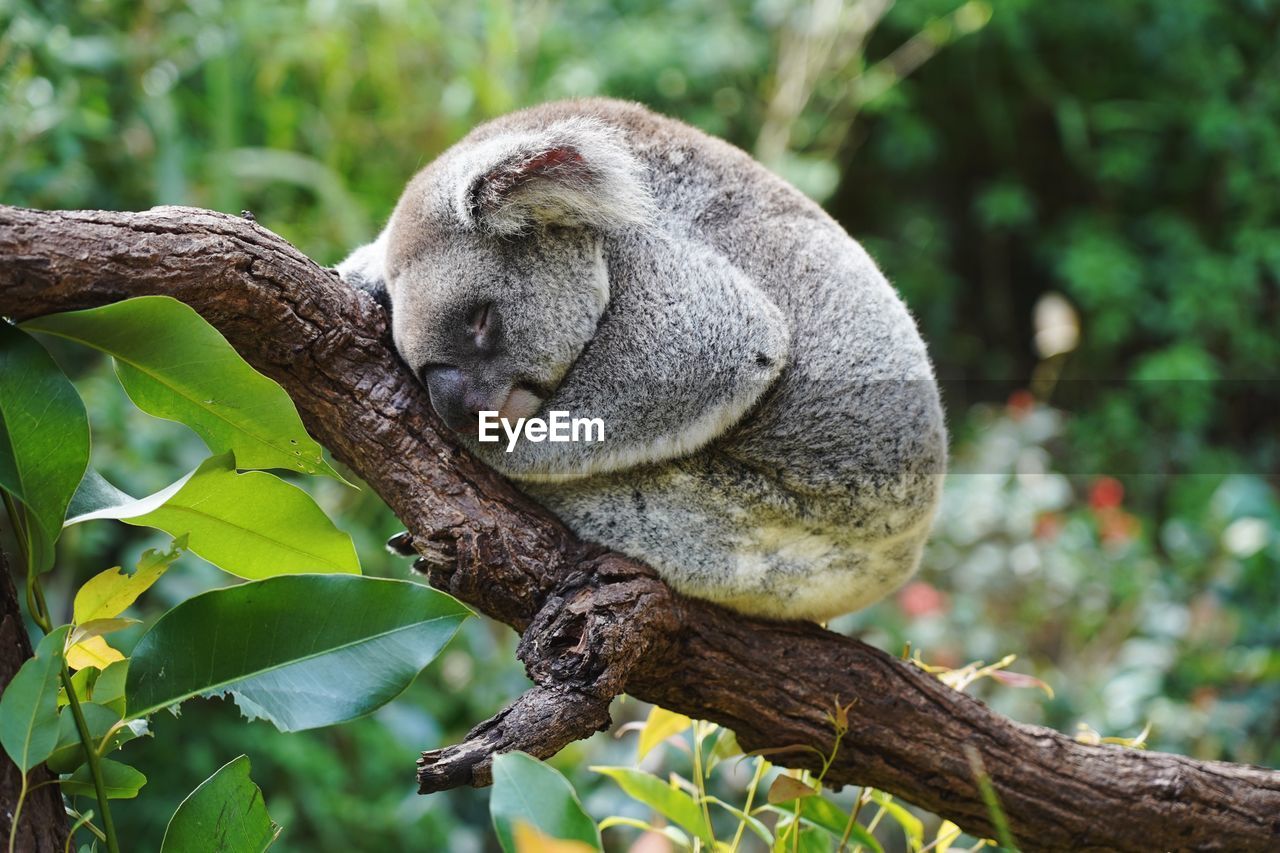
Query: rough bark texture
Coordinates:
[595,624]
[42,825]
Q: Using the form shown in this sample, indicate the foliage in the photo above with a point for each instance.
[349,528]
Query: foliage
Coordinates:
[203,822]
[528,793]
[300,650]
[182,371]
[43,476]
[782,810]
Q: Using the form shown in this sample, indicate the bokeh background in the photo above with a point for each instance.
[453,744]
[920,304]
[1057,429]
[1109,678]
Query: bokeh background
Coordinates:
[1079,201]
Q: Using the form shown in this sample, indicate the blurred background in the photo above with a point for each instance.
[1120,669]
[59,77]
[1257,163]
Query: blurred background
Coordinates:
[1080,202]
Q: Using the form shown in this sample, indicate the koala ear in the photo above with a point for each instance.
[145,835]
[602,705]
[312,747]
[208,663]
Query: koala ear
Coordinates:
[576,174]
[365,269]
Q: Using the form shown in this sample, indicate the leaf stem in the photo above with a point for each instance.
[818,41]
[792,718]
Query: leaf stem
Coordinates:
[746,810]
[94,760]
[701,779]
[17,815]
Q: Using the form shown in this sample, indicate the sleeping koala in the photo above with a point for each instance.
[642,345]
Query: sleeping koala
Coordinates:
[773,436]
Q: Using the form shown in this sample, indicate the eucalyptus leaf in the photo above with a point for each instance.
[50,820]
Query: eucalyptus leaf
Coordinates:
[670,802]
[224,814]
[527,791]
[44,438]
[174,365]
[253,525]
[29,705]
[299,650]
[119,781]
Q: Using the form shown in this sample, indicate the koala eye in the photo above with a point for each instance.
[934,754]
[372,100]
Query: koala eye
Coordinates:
[482,323]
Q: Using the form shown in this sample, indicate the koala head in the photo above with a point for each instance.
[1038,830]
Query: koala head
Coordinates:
[494,263]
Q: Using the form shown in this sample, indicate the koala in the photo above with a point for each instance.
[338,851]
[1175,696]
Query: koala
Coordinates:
[774,440]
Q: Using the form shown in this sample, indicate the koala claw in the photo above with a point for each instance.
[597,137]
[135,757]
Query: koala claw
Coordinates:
[402,544]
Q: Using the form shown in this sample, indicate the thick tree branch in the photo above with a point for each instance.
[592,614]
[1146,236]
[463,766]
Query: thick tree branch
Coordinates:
[595,624]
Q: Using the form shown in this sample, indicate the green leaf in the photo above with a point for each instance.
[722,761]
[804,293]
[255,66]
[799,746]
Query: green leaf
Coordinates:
[911,825]
[725,746]
[526,790]
[69,753]
[824,814]
[675,836]
[660,725]
[29,706]
[300,650]
[119,781]
[175,365]
[752,823]
[108,689]
[44,438]
[82,683]
[224,814]
[812,840]
[670,802]
[252,525]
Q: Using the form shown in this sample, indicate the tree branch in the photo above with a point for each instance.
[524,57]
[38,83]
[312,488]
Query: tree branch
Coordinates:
[593,623]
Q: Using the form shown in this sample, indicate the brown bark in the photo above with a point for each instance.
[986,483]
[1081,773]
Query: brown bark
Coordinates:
[595,624]
[42,825]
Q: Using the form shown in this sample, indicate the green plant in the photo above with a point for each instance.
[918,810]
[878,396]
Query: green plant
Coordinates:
[307,641]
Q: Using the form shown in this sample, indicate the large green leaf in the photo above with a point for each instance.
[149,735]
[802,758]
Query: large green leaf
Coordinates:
[670,802]
[175,365]
[299,650]
[44,437]
[29,706]
[527,791]
[224,814]
[253,525]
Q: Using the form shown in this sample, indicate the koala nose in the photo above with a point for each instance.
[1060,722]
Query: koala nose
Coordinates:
[455,398]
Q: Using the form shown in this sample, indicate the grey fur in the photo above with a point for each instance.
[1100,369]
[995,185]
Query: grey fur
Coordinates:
[774,439]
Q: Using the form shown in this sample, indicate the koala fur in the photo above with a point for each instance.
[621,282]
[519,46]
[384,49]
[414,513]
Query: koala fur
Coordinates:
[774,440]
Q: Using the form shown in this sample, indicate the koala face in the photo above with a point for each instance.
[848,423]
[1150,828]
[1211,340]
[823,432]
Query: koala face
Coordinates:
[493,263]
[490,322]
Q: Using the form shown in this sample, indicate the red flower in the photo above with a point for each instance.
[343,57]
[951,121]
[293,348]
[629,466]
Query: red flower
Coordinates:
[1105,493]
